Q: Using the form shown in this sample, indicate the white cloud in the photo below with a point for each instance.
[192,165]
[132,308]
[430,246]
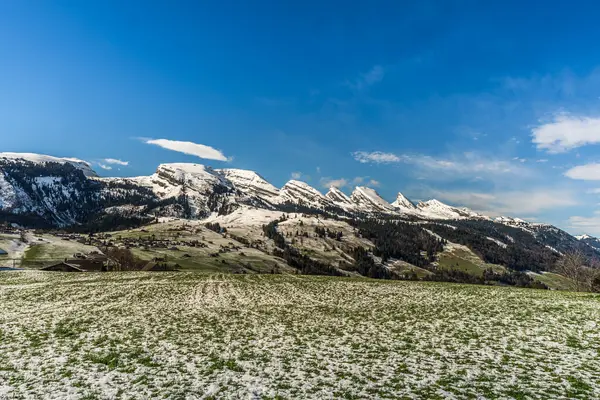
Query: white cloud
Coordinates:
[194,149]
[329,182]
[510,202]
[465,165]
[103,166]
[374,183]
[377,157]
[457,166]
[542,160]
[373,76]
[589,225]
[358,180]
[116,161]
[587,172]
[566,132]
[296,175]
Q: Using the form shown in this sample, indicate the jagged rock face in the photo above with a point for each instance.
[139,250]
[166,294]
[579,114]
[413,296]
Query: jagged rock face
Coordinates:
[341,199]
[62,192]
[255,188]
[403,203]
[297,192]
[197,189]
[57,193]
[434,209]
[369,200]
[42,160]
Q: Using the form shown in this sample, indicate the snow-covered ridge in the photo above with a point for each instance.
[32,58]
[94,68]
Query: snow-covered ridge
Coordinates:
[302,193]
[210,190]
[584,237]
[403,203]
[340,199]
[82,165]
[435,209]
[369,200]
[250,182]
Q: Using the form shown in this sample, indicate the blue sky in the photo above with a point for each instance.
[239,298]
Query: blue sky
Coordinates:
[491,106]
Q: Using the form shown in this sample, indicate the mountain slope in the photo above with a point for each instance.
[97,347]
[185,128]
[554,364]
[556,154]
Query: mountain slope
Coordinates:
[341,199]
[368,200]
[42,160]
[38,190]
[591,241]
[301,193]
[403,203]
[435,209]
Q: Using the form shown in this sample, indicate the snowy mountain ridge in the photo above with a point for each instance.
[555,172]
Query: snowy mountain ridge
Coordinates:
[44,186]
[41,159]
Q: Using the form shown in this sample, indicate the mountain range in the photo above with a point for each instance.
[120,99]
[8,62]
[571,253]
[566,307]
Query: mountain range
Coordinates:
[45,191]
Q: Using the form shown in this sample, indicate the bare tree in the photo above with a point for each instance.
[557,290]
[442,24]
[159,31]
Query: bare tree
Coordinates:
[575,266]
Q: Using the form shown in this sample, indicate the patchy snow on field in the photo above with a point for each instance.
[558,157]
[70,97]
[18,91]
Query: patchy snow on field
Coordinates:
[188,336]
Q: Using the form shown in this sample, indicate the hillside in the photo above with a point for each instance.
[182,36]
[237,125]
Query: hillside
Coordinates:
[294,228]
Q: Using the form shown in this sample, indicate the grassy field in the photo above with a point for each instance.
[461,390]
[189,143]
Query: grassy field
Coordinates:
[463,259]
[188,335]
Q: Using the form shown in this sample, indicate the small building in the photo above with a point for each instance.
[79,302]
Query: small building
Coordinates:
[3,252]
[88,265]
[63,267]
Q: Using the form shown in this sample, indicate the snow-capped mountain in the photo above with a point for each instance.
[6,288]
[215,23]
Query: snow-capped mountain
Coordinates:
[301,193]
[38,190]
[435,209]
[341,199]
[200,190]
[40,159]
[404,206]
[584,237]
[368,200]
[250,183]
[591,241]
[44,190]
[403,203]
[44,186]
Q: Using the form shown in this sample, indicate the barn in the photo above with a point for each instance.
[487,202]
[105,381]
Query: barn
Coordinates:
[63,267]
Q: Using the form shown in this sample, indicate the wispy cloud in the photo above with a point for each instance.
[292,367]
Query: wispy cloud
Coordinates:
[373,76]
[461,165]
[374,183]
[518,202]
[587,172]
[194,149]
[116,161]
[566,132]
[297,175]
[327,182]
[104,166]
[583,224]
[376,157]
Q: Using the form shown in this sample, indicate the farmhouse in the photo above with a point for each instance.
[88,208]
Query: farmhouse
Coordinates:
[92,262]
[63,267]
